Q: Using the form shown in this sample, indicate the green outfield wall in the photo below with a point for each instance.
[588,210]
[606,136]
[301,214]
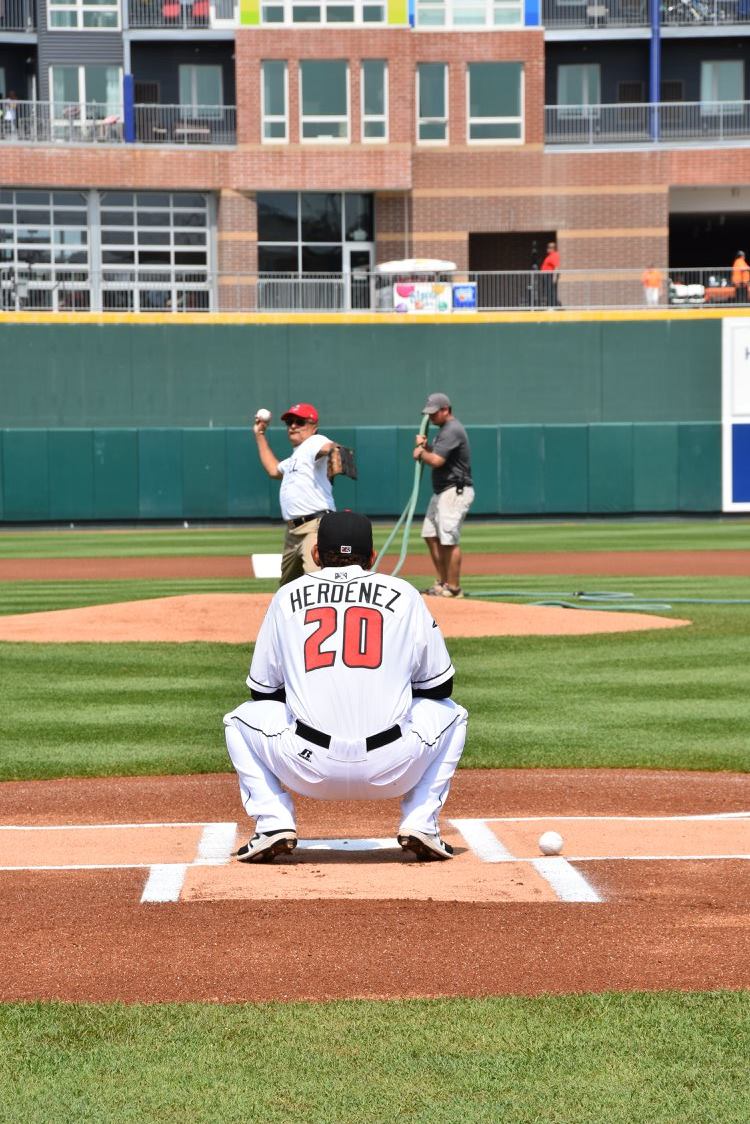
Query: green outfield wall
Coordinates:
[519,373]
[107,421]
[200,473]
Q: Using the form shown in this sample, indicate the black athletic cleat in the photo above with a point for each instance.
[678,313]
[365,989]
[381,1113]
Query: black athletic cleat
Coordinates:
[427,848]
[267,846]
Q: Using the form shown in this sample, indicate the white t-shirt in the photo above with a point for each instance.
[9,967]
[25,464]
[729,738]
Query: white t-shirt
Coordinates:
[348,646]
[305,486]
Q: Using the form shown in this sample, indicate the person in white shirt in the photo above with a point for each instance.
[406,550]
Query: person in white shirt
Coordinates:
[351,681]
[306,492]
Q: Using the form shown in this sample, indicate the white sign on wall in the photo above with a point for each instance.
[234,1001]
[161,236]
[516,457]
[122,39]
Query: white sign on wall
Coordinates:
[735,414]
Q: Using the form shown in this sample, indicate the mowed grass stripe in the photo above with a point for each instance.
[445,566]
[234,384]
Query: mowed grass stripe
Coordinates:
[496,536]
[668,699]
[622,1059]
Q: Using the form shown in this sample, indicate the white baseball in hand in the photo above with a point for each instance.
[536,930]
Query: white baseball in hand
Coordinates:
[550,843]
[263,415]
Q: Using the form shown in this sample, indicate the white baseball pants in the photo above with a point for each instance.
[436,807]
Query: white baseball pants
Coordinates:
[269,756]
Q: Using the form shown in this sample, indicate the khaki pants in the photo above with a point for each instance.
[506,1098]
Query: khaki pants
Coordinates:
[297,558]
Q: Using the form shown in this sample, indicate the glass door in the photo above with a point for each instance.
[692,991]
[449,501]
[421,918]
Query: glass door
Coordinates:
[358,274]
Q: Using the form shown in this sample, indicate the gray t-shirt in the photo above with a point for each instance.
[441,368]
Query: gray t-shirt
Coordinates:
[453,444]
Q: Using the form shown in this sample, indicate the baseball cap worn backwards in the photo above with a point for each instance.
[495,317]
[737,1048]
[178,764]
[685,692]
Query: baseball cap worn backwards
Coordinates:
[345,532]
[301,410]
[436,402]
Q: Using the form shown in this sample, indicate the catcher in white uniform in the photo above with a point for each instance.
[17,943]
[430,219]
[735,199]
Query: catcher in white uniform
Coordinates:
[351,680]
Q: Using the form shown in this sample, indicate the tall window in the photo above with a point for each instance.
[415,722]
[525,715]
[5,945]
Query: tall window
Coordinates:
[81,93]
[86,15]
[579,87]
[49,231]
[374,100]
[274,100]
[432,102]
[324,100]
[495,100]
[307,232]
[469,13]
[201,91]
[723,82]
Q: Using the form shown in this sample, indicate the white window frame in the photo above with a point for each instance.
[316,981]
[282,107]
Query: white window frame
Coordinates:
[288,7]
[80,7]
[448,10]
[193,110]
[374,117]
[446,105]
[82,120]
[521,119]
[274,117]
[712,106]
[303,119]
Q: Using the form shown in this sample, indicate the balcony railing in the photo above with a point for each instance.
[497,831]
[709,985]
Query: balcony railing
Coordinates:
[48,287]
[17,15]
[179,124]
[182,15]
[94,123]
[662,122]
[560,14]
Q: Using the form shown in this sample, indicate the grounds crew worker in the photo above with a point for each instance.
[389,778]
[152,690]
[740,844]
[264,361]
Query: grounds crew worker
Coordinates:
[449,457]
[306,492]
[351,680]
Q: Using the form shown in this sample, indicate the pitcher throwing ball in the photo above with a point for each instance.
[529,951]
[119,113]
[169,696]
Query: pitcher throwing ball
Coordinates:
[351,682]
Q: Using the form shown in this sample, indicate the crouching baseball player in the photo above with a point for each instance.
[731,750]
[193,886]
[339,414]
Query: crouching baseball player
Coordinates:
[351,681]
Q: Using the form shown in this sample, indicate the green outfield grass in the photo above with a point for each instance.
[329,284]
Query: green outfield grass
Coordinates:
[496,536]
[667,699]
[606,1059]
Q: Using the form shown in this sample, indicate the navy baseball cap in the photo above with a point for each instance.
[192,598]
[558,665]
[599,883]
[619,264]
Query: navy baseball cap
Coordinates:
[345,532]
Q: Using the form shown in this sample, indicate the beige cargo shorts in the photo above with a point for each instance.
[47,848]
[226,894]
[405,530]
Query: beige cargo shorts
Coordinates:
[445,514]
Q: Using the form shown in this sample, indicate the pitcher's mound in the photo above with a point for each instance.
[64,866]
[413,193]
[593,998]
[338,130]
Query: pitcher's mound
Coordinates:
[235,619]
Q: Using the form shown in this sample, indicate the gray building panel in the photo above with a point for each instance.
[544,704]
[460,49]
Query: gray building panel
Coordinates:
[67,48]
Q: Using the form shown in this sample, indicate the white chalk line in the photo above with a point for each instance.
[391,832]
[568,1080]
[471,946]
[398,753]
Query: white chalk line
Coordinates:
[605,818]
[101,826]
[568,884]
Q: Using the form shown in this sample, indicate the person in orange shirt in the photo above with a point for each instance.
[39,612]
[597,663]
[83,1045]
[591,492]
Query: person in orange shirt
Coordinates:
[550,270]
[740,277]
[651,280]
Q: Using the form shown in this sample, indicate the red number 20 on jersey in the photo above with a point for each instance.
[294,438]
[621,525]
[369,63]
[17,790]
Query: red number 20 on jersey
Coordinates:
[359,639]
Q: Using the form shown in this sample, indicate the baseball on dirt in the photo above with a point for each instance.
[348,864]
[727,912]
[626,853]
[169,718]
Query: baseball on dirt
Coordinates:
[263,415]
[550,843]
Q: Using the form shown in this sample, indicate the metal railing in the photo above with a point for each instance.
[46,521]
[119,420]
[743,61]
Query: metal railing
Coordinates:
[39,287]
[559,14]
[93,123]
[180,124]
[658,123]
[17,15]
[182,14]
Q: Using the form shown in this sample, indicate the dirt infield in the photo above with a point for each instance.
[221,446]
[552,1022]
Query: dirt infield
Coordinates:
[707,563]
[667,909]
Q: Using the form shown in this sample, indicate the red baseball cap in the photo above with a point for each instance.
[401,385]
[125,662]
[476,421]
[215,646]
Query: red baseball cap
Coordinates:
[301,410]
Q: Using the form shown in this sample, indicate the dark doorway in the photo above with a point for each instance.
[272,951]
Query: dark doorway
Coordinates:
[519,251]
[708,240]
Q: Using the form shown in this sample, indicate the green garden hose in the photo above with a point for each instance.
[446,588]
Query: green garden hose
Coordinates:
[406,515]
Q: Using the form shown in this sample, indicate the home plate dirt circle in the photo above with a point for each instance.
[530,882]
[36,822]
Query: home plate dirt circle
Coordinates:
[126,889]
[236,618]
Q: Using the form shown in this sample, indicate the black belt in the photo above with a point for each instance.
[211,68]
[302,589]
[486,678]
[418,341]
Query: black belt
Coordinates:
[306,518]
[375,741]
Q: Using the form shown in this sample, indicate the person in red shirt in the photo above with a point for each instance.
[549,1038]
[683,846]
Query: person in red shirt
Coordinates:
[550,269]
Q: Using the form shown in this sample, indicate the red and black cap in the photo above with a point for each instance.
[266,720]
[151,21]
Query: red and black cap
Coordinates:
[301,410]
[345,532]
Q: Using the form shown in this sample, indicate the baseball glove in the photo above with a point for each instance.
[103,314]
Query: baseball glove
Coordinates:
[341,462]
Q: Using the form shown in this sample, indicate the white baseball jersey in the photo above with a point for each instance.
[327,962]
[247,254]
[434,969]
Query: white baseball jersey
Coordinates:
[305,486]
[348,646]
